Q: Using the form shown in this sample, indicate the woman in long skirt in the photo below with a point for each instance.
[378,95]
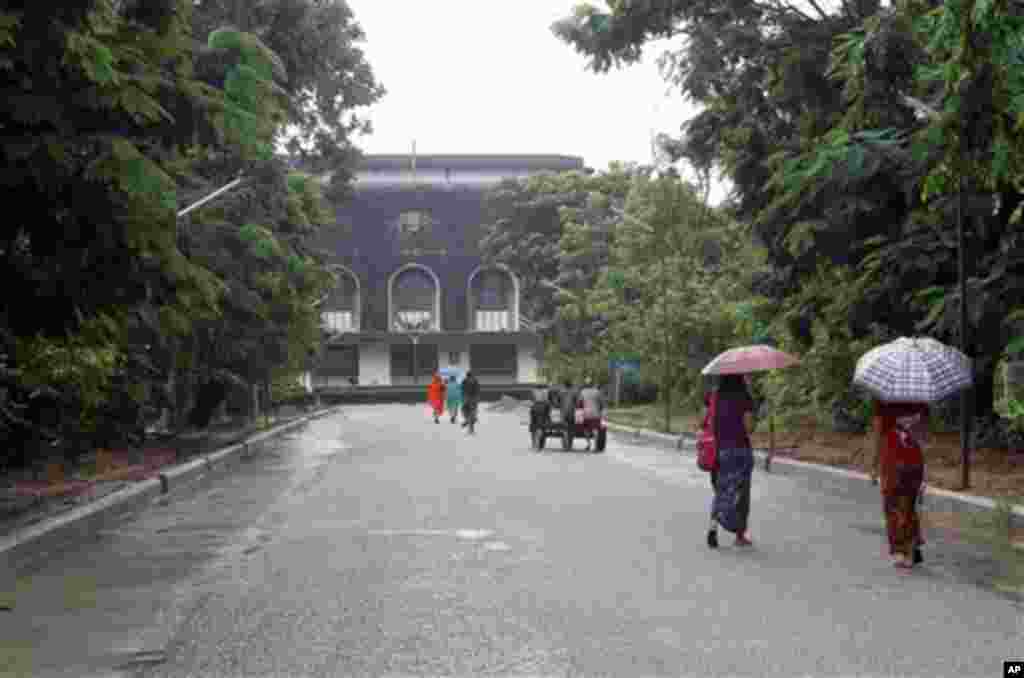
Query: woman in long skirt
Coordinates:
[731,479]
[900,433]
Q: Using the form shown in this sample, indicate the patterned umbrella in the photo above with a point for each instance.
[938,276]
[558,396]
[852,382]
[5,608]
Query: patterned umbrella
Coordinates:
[918,370]
[749,359]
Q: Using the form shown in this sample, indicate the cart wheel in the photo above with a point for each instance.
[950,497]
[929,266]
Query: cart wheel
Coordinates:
[567,440]
[602,440]
[538,439]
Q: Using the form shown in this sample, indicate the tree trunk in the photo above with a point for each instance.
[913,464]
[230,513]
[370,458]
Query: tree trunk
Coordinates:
[667,379]
[984,386]
[271,407]
[254,410]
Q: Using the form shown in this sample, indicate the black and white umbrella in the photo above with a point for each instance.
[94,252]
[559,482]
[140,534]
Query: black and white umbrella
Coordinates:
[913,370]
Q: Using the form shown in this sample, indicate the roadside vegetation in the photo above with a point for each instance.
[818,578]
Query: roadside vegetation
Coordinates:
[854,138]
[121,316]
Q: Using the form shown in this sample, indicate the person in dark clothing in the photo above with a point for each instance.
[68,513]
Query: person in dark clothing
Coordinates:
[555,395]
[734,418]
[540,407]
[568,404]
[470,397]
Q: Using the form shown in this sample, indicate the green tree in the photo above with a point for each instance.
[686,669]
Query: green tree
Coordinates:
[87,121]
[115,117]
[847,131]
[668,301]
[555,231]
[328,78]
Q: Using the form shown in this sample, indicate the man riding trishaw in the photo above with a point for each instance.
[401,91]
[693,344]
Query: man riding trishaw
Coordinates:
[566,413]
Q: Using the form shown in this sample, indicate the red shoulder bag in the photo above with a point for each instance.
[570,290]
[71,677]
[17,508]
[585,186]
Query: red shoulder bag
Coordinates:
[707,445]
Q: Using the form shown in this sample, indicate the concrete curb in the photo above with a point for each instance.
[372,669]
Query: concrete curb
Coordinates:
[837,480]
[38,540]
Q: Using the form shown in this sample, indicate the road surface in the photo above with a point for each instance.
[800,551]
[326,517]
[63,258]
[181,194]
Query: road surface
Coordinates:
[375,542]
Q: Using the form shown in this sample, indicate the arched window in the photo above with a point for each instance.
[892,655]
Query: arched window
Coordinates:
[492,300]
[414,300]
[340,311]
[493,290]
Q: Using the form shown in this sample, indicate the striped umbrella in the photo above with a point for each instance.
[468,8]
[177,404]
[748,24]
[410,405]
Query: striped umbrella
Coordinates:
[746,359]
[913,370]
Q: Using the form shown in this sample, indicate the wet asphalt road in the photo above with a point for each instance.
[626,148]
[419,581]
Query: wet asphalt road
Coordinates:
[375,542]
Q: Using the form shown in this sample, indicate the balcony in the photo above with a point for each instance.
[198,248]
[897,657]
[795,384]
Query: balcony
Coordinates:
[493,321]
[340,321]
[413,321]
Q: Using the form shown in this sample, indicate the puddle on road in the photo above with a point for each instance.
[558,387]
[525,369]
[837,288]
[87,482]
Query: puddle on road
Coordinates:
[468,535]
[497,546]
[142,660]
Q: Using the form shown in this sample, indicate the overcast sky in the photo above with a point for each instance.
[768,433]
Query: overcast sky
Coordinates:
[489,76]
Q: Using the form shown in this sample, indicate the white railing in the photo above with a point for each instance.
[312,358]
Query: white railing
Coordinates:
[413,320]
[339,321]
[493,321]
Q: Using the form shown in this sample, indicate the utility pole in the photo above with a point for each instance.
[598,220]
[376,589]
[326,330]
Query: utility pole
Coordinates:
[415,343]
[967,393]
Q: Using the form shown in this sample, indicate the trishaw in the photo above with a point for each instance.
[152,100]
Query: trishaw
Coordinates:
[547,422]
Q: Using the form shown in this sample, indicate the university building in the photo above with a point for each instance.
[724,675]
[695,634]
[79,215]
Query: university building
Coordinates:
[414,294]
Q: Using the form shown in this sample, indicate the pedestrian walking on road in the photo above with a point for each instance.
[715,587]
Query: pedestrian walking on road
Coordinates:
[454,397]
[903,377]
[435,395]
[470,399]
[594,404]
[732,476]
[900,431]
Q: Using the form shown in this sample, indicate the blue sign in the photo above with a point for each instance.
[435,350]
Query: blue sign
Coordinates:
[626,365]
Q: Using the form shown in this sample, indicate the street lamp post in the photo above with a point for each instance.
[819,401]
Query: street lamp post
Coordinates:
[965,395]
[415,343]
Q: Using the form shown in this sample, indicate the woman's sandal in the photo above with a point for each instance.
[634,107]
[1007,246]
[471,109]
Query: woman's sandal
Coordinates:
[712,539]
[743,541]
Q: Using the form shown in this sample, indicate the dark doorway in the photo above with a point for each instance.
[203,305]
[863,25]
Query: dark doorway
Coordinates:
[339,367]
[401,363]
[494,362]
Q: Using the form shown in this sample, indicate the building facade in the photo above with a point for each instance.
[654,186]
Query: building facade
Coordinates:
[414,294]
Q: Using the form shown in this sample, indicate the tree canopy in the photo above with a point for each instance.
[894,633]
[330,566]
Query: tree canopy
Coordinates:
[848,132]
[118,114]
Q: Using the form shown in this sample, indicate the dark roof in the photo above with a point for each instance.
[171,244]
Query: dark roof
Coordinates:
[482,161]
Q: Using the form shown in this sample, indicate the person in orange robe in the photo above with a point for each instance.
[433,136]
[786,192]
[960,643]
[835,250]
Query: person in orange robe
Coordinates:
[435,396]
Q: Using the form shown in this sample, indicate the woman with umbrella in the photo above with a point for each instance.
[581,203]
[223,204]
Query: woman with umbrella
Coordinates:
[903,377]
[733,409]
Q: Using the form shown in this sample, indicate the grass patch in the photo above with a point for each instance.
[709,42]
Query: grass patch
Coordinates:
[86,470]
[652,416]
[995,531]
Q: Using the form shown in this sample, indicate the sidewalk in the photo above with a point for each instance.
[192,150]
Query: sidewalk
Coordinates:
[25,501]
